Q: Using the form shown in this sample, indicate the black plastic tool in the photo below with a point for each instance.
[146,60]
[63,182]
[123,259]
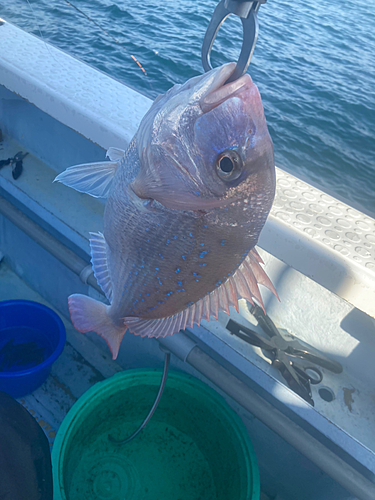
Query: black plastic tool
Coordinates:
[3,163]
[16,162]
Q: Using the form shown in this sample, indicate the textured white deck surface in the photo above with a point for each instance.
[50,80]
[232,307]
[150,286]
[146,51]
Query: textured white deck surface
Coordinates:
[323,238]
[309,230]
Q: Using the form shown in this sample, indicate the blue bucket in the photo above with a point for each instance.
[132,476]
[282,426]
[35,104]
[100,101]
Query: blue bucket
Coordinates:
[32,337]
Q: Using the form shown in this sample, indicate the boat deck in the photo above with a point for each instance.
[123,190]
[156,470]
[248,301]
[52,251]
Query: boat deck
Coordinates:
[319,253]
[81,364]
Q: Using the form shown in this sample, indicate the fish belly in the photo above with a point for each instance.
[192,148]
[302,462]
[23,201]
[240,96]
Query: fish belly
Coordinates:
[162,261]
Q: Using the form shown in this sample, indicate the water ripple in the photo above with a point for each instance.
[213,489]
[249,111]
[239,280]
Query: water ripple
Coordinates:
[314,64]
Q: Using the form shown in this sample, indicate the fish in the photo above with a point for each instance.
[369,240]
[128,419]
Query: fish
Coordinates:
[25,460]
[185,205]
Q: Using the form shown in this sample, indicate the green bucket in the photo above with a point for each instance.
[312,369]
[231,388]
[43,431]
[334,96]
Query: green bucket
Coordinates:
[194,448]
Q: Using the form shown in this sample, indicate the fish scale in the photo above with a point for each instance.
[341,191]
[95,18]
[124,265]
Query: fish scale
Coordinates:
[185,206]
[184,273]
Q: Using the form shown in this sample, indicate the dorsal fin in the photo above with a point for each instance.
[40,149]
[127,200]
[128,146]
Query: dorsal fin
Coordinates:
[243,284]
[92,178]
[98,247]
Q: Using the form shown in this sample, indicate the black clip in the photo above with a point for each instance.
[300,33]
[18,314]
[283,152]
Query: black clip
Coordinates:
[247,11]
[17,166]
[16,163]
[5,162]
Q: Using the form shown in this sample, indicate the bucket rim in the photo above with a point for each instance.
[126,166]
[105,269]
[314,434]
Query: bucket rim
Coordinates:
[108,387]
[56,352]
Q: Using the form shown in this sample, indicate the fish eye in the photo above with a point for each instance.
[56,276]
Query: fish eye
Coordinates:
[229,165]
[226,164]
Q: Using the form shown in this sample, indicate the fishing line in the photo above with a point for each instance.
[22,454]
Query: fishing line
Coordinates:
[153,408]
[40,31]
[107,33]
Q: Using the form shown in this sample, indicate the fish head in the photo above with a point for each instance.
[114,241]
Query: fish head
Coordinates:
[205,145]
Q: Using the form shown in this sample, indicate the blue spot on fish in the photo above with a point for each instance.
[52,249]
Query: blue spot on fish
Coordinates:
[205,225]
[167,243]
[191,235]
[218,283]
[196,274]
[183,257]
[156,269]
[222,242]
[202,254]
[177,270]
[197,280]
[202,244]
[202,265]
[179,283]
[160,255]
[181,290]
[175,237]
[198,193]
[169,293]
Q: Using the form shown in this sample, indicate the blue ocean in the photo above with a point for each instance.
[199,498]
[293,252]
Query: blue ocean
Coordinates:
[314,64]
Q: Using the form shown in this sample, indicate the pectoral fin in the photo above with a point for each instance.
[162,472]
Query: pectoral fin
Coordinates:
[115,154]
[92,178]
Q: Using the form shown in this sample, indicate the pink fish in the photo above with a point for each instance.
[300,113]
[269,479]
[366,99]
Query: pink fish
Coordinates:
[185,206]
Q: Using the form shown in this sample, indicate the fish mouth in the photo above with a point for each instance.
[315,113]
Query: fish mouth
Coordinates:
[221,91]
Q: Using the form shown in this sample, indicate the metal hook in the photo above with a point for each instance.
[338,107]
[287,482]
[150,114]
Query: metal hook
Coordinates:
[247,11]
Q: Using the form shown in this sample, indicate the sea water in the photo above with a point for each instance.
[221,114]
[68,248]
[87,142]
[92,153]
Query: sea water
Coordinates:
[314,64]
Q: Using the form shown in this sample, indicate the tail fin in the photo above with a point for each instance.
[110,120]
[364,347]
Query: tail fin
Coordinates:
[91,315]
